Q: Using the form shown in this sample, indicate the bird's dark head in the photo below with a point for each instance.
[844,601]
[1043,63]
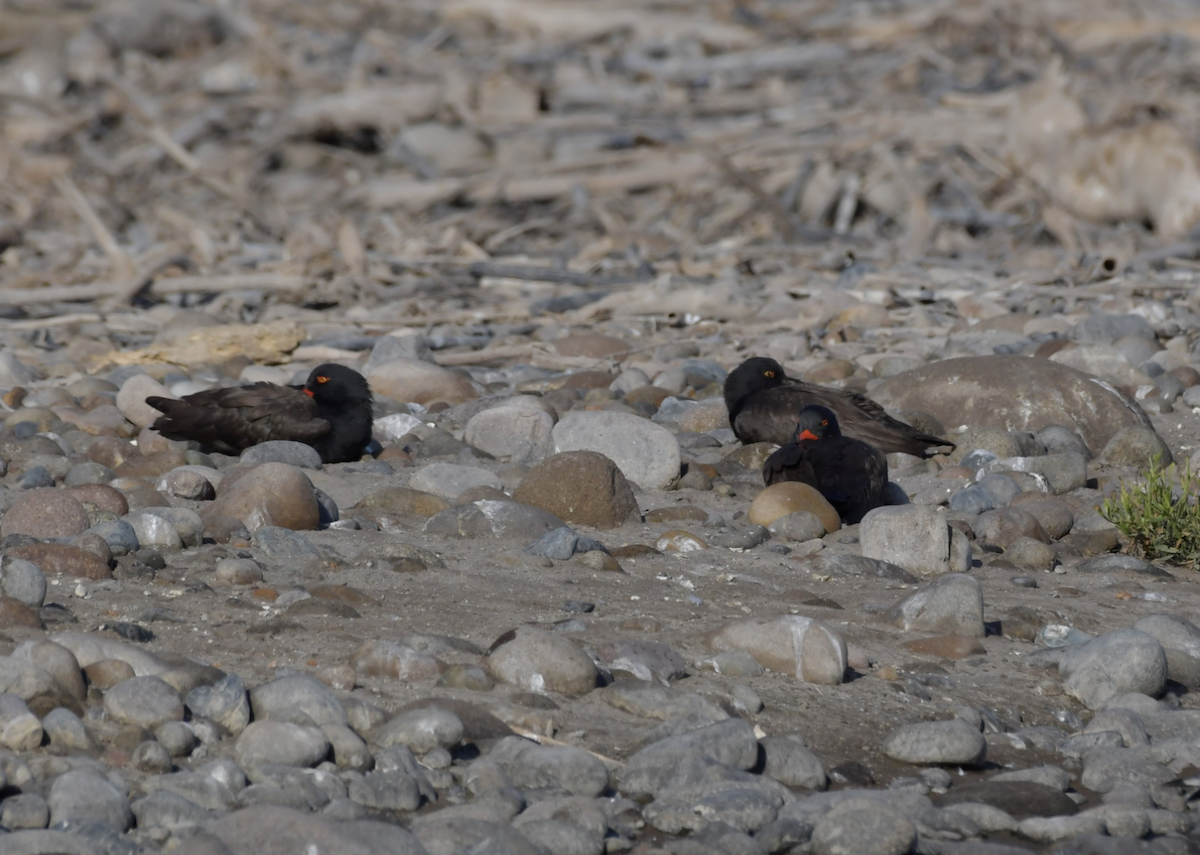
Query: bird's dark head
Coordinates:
[336,385]
[817,423]
[753,375]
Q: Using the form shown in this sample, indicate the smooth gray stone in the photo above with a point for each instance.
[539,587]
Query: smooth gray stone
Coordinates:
[82,795]
[23,581]
[394,790]
[953,741]
[791,763]
[268,829]
[562,543]
[297,698]
[210,793]
[296,454]
[164,809]
[535,766]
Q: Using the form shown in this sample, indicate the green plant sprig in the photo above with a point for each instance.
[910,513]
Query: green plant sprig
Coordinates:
[1157,525]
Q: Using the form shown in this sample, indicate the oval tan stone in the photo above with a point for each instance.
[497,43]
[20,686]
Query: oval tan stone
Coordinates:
[779,500]
[792,644]
[420,382]
[271,494]
[403,500]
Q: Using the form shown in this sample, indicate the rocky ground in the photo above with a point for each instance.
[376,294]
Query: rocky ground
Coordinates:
[556,611]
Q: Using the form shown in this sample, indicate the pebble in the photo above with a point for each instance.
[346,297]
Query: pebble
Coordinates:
[950,605]
[421,730]
[131,399]
[186,483]
[799,526]
[646,453]
[402,500]
[281,742]
[23,581]
[416,381]
[791,763]
[1061,472]
[225,702]
[562,543]
[540,661]
[487,518]
[1031,554]
[802,647]
[20,729]
[1135,446]
[790,497]
[916,538]
[529,765]
[44,513]
[299,698]
[271,494]
[642,660]
[1111,664]
[375,658]
[145,701]
[853,829]
[449,480]
[237,571]
[297,454]
[937,742]
[514,431]
[581,488]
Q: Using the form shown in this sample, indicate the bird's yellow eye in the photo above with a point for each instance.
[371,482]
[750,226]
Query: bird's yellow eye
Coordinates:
[768,374]
[824,422]
[322,379]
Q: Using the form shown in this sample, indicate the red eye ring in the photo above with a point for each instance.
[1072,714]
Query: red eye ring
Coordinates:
[769,374]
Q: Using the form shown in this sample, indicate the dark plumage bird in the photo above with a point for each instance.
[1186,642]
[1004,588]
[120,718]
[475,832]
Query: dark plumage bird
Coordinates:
[331,412]
[849,473]
[763,404]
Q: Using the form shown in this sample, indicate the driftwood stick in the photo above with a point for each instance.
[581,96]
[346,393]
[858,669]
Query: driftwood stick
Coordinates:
[123,266]
[535,273]
[172,285]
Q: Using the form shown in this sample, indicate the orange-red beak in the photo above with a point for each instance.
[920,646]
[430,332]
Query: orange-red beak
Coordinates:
[807,434]
[308,392]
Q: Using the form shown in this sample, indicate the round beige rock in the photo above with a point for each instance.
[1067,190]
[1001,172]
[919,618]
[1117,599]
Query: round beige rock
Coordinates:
[377,658]
[45,513]
[273,494]
[131,400]
[779,500]
[403,500]
[806,648]
[679,540]
[106,673]
[420,382]
[541,661]
[57,661]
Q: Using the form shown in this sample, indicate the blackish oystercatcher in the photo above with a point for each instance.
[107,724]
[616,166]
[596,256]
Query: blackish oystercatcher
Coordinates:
[852,475]
[331,412]
[764,402]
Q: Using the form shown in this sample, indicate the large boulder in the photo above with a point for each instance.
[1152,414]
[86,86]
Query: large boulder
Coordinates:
[1014,392]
